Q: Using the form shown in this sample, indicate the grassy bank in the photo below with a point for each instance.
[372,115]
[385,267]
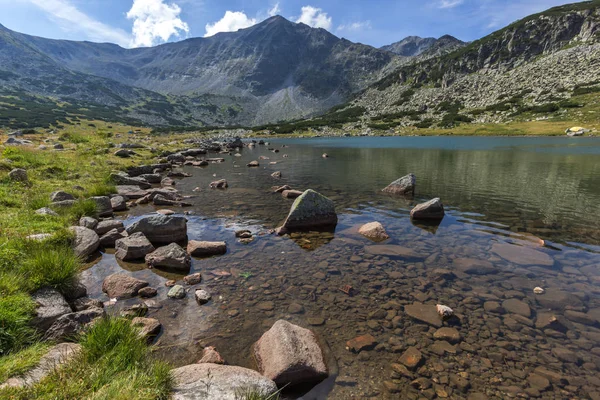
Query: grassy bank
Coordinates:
[115,362]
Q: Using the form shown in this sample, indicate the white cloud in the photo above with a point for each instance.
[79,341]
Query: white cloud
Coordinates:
[449,3]
[71,19]
[315,17]
[231,22]
[355,26]
[275,10]
[155,21]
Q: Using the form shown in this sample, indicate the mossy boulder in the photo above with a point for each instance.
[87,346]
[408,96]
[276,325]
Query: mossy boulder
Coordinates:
[311,210]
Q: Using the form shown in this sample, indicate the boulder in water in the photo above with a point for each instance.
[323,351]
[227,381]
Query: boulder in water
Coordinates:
[161,228]
[431,210]
[311,210]
[405,185]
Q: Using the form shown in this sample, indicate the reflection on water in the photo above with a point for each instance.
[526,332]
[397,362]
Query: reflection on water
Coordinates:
[521,214]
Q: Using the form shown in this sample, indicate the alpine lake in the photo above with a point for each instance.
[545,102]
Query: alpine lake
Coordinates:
[521,213]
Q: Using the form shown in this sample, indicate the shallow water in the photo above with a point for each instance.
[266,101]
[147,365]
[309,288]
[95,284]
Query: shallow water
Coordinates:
[496,191]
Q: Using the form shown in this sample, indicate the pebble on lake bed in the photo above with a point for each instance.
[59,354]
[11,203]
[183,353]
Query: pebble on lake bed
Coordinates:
[444,311]
[538,290]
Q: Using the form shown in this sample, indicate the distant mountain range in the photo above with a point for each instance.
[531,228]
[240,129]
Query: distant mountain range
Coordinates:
[279,71]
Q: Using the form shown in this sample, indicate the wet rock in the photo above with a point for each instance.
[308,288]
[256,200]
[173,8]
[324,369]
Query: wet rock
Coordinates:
[202,296]
[103,206]
[161,228]
[558,300]
[176,292]
[280,189]
[316,321]
[206,249]
[291,194]
[148,327]
[69,325]
[223,382]
[243,234]
[581,318]
[121,286]
[374,231]
[426,313]
[295,308]
[61,196]
[133,247]
[160,200]
[450,335]
[402,186]
[516,306]
[493,307]
[474,266]
[165,212]
[171,256]
[566,355]
[555,377]
[110,238]
[118,203]
[400,371]
[360,343]
[193,279]
[18,175]
[444,312]
[461,383]
[390,250]
[50,305]
[276,174]
[86,241]
[522,255]
[538,382]
[147,292]
[58,355]
[431,210]
[310,211]
[220,184]
[290,355]
[211,355]
[411,358]
[108,225]
[253,164]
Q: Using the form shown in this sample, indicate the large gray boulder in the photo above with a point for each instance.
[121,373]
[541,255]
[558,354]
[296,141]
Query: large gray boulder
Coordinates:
[69,325]
[405,185]
[431,210]
[119,203]
[171,256]
[50,305]
[133,247]
[86,241]
[161,228]
[103,206]
[124,179]
[290,355]
[60,354]
[311,210]
[213,381]
[88,222]
[121,286]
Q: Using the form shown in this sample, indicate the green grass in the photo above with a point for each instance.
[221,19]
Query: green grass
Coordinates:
[115,363]
[15,313]
[253,394]
[20,362]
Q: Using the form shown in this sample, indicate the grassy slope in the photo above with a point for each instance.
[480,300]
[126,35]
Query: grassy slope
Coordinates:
[121,368]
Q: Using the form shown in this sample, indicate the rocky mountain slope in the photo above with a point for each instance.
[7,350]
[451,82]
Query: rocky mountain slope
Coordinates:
[272,71]
[413,46]
[534,65]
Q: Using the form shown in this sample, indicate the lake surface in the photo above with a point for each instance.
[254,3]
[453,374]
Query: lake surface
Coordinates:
[521,213]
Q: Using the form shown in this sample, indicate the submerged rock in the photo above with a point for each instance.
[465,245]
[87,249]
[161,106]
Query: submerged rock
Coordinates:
[171,256]
[426,313]
[403,186]
[374,231]
[521,255]
[220,184]
[211,355]
[206,249]
[290,355]
[161,228]
[214,381]
[431,210]
[360,343]
[310,211]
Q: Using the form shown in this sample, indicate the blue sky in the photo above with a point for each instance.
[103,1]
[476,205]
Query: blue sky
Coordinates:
[135,23]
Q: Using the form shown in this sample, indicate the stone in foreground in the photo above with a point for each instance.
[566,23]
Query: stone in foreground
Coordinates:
[198,248]
[86,241]
[133,247]
[374,231]
[50,305]
[311,210]
[60,354]
[171,256]
[223,382]
[290,355]
[161,228]
[431,210]
[403,186]
[121,286]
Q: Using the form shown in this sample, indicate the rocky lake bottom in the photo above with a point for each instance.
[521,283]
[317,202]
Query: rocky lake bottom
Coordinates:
[520,214]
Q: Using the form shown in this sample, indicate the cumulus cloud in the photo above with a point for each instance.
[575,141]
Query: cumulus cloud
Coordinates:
[155,21]
[72,19]
[231,22]
[275,10]
[355,26]
[315,17]
[449,3]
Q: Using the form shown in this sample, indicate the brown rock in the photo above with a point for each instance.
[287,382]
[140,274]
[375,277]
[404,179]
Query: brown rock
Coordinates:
[402,186]
[450,335]
[431,210]
[517,306]
[148,326]
[474,266]
[374,231]
[522,255]
[193,279]
[206,249]
[411,358]
[360,343]
[390,250]
[291,194]
[147,292]
[121,286]
[426,313]
[211,355]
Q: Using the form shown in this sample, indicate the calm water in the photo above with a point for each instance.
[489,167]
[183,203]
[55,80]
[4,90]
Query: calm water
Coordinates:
[502,195]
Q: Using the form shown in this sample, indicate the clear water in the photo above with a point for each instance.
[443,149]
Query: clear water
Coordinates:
[496,191]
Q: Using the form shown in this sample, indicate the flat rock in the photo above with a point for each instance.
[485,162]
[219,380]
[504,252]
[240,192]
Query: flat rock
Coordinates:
[290,355]
[121,286]
[411,358]
[214,381]
[522,255]
[391,250]
[86,241]
[171,256]
[450,335]
[131,192]
[474,266]
[291,194]
[516,306]
[360,343]
[426,313]
[161,228]
[557,300]
[133,247]
[109,225]
[206,249]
